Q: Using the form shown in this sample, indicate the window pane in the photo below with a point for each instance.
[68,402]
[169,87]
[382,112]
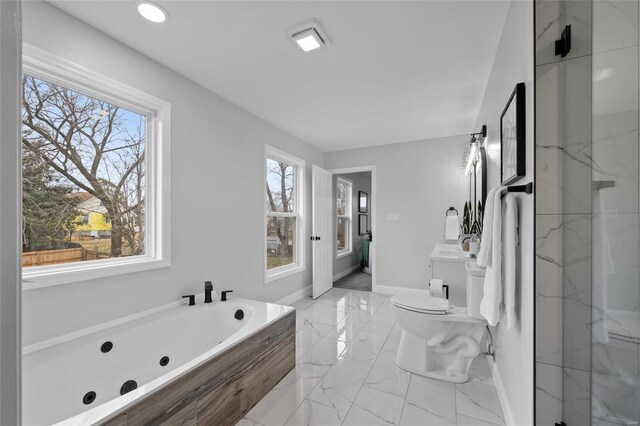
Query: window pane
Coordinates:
[343,233]
[281,241]
[341,199]
[280,185]
[83,183]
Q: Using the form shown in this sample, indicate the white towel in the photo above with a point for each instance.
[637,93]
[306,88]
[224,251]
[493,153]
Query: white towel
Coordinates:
[451,227]
[490,256]
[484,255]
[509,259]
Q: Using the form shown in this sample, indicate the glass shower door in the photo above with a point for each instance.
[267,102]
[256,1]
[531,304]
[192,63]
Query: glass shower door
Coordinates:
[614,326]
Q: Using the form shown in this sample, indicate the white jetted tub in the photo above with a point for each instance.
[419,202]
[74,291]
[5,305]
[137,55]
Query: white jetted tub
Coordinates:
[78,379]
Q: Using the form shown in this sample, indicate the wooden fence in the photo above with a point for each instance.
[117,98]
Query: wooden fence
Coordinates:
[53,257]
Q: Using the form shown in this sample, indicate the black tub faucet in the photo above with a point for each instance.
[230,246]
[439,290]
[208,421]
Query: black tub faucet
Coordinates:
[192,299]
[208,289]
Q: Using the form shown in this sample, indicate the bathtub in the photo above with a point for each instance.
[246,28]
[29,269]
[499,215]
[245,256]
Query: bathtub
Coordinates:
[78,379]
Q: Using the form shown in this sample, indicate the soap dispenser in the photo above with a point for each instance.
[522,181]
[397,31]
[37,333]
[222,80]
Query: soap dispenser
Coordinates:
[474,244]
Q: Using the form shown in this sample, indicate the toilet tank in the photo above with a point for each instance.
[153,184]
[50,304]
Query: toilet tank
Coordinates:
[475,288]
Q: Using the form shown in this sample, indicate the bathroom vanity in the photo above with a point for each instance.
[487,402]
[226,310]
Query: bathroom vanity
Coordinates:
[447,263]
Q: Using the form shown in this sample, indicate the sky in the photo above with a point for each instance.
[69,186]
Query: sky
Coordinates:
[131,122]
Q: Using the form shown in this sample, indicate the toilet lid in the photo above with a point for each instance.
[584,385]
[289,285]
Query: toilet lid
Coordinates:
[427,305]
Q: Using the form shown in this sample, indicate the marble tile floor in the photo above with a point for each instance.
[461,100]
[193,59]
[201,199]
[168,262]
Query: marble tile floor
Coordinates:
[357,280]
[345,374]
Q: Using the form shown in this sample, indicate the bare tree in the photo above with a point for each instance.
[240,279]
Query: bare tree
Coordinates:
[281,200]
[96,146]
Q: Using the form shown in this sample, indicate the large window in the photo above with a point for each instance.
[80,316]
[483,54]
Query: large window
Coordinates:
[91,174]
[284,246]
[344,190]
[83,161]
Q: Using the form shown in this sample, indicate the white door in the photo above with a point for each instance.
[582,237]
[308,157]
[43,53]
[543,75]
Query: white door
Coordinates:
[322,231]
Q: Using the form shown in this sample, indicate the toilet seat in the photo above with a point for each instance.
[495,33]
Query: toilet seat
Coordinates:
[423,305]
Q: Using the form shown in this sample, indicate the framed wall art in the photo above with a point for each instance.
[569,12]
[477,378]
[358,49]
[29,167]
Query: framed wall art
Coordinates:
[363,202]
[512,137]
[363,224]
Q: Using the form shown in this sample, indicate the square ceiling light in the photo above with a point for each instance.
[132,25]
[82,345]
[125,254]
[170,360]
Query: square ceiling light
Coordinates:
[307,36]
[308,40]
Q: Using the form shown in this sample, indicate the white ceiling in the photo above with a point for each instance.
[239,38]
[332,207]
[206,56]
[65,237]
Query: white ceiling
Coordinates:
[394,72]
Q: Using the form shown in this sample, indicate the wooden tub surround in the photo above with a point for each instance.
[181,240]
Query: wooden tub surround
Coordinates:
[221,391]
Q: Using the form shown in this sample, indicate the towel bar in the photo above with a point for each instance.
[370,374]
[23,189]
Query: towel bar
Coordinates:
[527,189]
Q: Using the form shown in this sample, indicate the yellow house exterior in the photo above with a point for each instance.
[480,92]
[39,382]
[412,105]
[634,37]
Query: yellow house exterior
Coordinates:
[93,220]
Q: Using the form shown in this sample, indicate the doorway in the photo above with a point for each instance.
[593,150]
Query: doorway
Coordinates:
[354,228]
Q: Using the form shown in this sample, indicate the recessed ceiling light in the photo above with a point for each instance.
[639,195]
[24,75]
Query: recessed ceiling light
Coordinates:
[308,36]
[152,12]
[308,40]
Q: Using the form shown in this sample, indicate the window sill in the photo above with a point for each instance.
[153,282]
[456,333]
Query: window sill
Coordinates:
[46,276]
[282,272]
[344,253]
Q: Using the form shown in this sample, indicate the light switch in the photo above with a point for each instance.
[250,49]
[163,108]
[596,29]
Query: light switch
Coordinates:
[392,217]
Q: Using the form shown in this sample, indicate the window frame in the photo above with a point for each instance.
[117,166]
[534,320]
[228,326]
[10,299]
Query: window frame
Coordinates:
[271,275]
[349,216]
[51,68]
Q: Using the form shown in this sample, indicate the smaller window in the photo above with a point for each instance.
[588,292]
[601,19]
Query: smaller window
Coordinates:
[284,220]
[344,190]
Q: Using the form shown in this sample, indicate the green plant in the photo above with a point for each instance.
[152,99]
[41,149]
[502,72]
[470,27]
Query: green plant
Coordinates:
[477,225]
[467,218]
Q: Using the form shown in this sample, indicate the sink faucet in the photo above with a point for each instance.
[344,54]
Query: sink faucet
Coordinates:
[208,289]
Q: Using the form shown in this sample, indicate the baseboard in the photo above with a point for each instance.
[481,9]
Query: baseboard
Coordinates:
[399,291]
[502,394]
[346,272]
[297,295]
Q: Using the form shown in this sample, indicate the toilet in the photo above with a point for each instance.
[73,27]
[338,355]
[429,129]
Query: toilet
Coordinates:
[440,340]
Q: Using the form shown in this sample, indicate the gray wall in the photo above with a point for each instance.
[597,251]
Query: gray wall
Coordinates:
[10,346]
[418,181]
[514,64]
[361,182]
[213,141]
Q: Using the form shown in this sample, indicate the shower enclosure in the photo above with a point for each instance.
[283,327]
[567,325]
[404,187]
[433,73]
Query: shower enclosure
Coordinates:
[587,167]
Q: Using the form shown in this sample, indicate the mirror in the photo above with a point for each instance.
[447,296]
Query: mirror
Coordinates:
[483,175]
[478,184]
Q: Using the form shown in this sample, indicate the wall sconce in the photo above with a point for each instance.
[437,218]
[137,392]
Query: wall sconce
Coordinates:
[471,155]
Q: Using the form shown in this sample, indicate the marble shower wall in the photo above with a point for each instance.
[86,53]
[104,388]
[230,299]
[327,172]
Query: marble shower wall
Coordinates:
[587,198]
[563,214]
[614,350]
